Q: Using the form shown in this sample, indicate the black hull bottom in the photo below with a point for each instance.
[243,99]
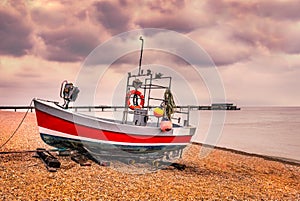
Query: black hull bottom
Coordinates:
[112,150]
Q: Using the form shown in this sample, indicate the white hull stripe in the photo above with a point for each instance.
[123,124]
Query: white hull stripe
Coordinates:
[64,135]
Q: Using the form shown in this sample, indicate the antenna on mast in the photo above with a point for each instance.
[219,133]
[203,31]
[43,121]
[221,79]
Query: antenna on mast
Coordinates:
[141,56]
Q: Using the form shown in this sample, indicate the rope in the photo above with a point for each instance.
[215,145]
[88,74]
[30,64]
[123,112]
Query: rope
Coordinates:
[15,131]
[169,103]
[31,151]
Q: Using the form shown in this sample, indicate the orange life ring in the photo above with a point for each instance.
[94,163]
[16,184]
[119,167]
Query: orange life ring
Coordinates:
[138,93]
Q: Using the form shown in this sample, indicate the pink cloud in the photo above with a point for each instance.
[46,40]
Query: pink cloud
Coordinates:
[111,16]
[15,33]
[260,23]
[68,45]
[49,18]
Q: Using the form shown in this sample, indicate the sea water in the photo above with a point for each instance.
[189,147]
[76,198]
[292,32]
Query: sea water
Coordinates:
[272,131]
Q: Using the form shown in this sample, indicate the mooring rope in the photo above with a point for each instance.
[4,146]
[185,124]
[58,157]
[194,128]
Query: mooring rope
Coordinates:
[15,131]
[33,151]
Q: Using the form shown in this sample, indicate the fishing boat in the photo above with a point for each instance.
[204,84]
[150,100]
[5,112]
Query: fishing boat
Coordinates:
[134,135]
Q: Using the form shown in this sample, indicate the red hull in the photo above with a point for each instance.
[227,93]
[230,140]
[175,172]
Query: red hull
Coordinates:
[54,123]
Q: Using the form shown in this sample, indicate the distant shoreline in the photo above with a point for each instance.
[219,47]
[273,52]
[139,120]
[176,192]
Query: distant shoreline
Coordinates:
[266,157]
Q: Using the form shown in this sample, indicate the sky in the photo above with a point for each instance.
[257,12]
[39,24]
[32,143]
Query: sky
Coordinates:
[254,45]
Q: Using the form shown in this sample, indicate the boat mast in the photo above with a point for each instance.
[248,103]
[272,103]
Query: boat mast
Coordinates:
[141,56]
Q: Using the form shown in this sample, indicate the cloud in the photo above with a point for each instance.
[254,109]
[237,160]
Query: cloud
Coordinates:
[179,24]
[28,77]
[177,16]
[273,35]
[280,10]
[68,45]
[291,42]
[166,6]
[47,18]
[15,34]
[272,9]
[220,46]
[260,24]
[111,16]
[263,80]
[158,40]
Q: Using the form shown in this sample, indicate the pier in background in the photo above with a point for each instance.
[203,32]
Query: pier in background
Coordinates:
[214,106]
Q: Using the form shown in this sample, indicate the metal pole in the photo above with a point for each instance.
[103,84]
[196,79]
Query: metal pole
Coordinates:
[141,56]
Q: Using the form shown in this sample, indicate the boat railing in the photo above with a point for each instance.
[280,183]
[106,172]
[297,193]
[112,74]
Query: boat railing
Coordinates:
[183,119]
[148,83]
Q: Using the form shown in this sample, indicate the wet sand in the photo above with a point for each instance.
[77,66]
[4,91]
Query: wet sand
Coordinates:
[222,175]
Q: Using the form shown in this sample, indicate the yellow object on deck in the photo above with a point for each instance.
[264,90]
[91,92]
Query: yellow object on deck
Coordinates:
[158,112]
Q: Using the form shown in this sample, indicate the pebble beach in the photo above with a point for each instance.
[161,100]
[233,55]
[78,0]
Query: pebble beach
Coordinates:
[221,175]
